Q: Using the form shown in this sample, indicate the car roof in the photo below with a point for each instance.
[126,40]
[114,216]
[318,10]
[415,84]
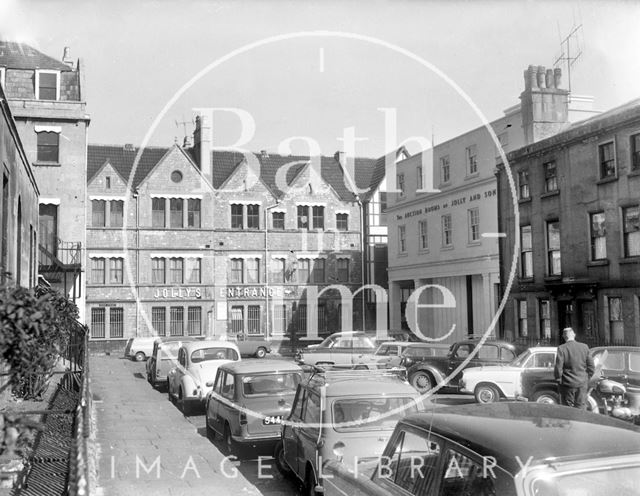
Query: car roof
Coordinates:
[258,366]
[176,338]
[475,341]
[361,383]
[197,345]
[615,348]
[552,349]
[345,333]
[507,430]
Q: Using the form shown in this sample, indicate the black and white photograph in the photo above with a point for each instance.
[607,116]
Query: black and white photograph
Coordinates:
[340,248]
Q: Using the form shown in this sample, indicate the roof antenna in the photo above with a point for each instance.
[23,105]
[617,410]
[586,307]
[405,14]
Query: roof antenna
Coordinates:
[566,56]
[186,141]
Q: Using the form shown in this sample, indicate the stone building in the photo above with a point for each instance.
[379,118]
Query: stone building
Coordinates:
[46,97]
[578,198]
[18,207]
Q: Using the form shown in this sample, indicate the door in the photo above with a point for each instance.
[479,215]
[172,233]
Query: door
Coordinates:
[49,227]
[587,324]
[565,315]
[213,408]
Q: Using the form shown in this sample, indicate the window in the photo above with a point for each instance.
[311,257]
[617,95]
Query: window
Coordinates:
[279,319]
[253,270]
[318,270]
[278,220]
[176,208]
[159,320]
[342,222]
[237,320]
[474,224]
[318,217]
[304,270]
[598,236]
[158,270]
[343,270]
[422,232]
[107,182]
[253,216]
[631,231]
[545,319]
[116,210]
[402,239]
[302,318]
[278,270]
[523,332]
[44,233]
[400,183]
[472,159]
[97,270]
[48,146]
[194,270]
[97,322]
[303,217]
[607,160]
[98,213]
[419,178]
[116,270]
[47,85]
[322,318]
[176,321]
[253,319]
[466,476]
[523,184]
[237,270]
[176,270]
[553,248]
[616,324]
[550,177]
[447,233]
[526,253]
[237,214]
[635,152]
[158,207]
[194,321]
[445,169]
[193,212]
[116,323]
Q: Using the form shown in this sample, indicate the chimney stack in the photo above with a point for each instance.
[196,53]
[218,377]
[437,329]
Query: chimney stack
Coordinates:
[544,106]
[202,143]
[66,57]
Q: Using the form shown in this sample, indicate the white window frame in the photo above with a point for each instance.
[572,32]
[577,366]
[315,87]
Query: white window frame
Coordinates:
[443,223]
[445,160]
[402,239]
[37,82]
[611,141]
[423,237]
[470,215]
[468,156]
[3,72]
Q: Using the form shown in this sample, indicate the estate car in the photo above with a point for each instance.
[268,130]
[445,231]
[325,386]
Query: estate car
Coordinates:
[340,348]
[400,353]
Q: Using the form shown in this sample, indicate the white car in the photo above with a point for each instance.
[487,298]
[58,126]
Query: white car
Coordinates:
[491,383]
[191,379]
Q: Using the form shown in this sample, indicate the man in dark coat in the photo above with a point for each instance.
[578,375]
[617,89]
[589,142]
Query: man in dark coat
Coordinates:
[574,368]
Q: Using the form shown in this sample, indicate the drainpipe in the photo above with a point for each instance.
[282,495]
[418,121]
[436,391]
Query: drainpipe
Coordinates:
[136,196]
[362,256]
[266,263]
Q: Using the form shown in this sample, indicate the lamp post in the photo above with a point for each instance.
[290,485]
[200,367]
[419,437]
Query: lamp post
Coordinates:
[266,262]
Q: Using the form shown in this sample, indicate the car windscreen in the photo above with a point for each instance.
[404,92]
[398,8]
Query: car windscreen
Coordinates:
[266,384]
[169,351]
[521,358]
[207,354]
[356,414]
[603,480]
[419,351]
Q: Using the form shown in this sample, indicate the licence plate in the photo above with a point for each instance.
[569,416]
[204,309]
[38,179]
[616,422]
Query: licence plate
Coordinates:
[272,420]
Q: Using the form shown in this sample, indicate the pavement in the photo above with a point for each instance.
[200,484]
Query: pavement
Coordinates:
[144,444]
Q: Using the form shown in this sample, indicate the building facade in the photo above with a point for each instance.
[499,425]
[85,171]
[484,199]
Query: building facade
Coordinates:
[46,97]
[578,197]
[18,207]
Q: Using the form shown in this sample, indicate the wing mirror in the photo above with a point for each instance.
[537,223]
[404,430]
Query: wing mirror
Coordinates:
[338,450]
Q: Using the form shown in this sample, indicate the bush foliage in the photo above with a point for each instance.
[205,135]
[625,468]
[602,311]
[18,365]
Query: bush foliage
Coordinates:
[35,328]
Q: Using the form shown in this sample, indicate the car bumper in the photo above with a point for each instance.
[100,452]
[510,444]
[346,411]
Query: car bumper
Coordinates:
[256,438]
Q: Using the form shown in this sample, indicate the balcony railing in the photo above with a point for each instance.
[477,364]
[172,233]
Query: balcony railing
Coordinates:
[61,254]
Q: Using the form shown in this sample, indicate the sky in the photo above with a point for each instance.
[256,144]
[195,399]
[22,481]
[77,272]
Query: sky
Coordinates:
[300,75]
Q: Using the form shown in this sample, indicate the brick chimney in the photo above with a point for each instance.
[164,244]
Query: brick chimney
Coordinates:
[545,107]
[202,139]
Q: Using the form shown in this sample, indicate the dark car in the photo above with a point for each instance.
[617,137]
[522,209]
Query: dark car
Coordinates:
[505,449]
[621,364]
[433,371]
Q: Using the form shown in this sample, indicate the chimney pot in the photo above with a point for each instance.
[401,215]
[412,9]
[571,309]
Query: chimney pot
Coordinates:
[187,142]
[339,157]
[264,154]
[548,78]
[541,77]
[557,76]
[66,57]
[532,78]
[128,147]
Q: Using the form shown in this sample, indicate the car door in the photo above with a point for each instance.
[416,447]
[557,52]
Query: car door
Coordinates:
[633,382]
[177,372]
[213,407]
[342,350]
[307,438]
[226,408]
[291,431]
[458,355]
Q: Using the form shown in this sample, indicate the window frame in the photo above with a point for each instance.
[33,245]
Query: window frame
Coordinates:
[176,270]
[96,221]
[400,184]
[44,149]
[155,217]
[447,230]
[445,169]
[634,148]
[626,233]
[603,169]
[302,212]
[524,191]
[317,216]
[236,271]
[237,216]
[98,274]
[342,270]
[116,322]
[526,252]
[423,237]
[473,219]
[38,73]
[278,221]
[156,270]
[402,239]
[471,154]
[593,237]
[342,221]
[550,250]
[176,215]
[98,324]
[116,270]
[550,181]
[253,216]
[194,215]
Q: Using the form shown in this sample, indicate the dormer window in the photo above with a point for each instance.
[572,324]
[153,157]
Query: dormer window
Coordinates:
[47,85]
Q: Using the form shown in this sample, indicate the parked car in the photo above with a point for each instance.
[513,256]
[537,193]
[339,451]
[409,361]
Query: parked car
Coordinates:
[397,353]
[489,383]
[252,346]
[139,349]
[248,401]
[505,449]
[341,348]
[621,364]
[353,410]
[191,379]
[163,358]
[433,371]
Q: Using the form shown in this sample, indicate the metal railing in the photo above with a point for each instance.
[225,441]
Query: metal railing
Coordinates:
[59,252]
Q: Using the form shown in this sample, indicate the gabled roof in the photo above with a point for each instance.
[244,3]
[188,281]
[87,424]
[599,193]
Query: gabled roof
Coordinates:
[121,159]
[16,55]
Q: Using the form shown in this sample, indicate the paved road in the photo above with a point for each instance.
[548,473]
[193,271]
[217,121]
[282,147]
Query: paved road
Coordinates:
[146,446]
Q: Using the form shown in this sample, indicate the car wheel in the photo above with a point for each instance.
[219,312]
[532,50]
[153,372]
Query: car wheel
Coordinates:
[184,404]
[486,393]
[422,381]
[140,356]
[261,352]
[281,463]
[171,399]
[361,367]
[211,434]
[546,396]
[310,484]
[229,443]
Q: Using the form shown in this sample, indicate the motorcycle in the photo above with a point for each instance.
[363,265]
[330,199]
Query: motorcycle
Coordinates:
[612,398]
